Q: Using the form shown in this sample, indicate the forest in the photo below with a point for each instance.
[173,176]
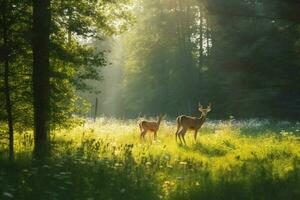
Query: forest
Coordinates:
[242,56]
[92,91]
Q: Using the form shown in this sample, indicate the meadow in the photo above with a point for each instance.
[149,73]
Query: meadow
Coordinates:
[252,159]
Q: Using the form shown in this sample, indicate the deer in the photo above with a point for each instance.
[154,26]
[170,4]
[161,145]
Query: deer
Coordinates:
[152,126]
[185,123]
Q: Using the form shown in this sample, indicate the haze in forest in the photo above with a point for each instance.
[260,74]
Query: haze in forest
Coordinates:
[242,56]
[100,99]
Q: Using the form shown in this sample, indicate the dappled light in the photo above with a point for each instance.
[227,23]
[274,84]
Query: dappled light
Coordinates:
[150,100]
[107,158]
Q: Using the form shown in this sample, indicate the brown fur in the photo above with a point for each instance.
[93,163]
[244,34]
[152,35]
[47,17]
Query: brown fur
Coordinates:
[151,126]
[184,123]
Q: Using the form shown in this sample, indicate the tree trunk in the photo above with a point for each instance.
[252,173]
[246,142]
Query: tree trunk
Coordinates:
[208,38]
[40,75]
[201,36]
[96,109]
[8,106]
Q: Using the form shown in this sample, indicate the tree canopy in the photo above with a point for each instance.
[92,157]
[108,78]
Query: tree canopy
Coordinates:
[240,55]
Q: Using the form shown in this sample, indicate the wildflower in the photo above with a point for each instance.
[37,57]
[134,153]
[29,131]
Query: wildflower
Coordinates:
[82,162]
[169,166]
[183,163]
[62,188]
[148,163]
[117,152]
[7,194]
[114,144]
[68,183]
[123,190]
[167,183]
[59,165]
[46,166]
[118,164]
[284,133]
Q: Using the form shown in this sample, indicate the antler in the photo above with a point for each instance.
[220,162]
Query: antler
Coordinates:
[199,105]
[208,107]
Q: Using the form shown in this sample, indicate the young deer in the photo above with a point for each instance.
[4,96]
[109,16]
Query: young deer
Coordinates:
[150,126]
[186,122]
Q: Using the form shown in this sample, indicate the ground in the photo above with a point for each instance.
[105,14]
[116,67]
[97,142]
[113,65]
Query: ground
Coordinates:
[251,159]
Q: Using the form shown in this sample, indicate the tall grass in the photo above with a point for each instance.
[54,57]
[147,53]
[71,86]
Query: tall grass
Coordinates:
[106,160]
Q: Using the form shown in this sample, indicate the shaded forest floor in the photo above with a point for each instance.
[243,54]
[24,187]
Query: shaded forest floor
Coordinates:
[106,160]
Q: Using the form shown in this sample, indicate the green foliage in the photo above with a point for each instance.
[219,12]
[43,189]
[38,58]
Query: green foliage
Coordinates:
[159,58]
[14,20]
[240,55]
[254,58]
[75,26]
[74,58]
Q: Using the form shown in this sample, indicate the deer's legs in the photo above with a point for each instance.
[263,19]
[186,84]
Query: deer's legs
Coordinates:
[183,138]
[181,135]
[177,133]
[143,133]
[155,135]
[195,134]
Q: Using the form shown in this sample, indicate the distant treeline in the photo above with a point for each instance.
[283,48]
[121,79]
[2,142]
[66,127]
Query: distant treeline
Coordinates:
[242,56]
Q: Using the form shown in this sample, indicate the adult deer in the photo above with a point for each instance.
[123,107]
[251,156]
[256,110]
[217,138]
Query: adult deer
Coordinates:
[152,126]
[185,123]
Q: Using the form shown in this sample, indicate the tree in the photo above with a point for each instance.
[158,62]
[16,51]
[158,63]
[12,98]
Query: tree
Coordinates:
[62,68]
[63,65]
[41,74]
[15,85]
[6,53]
[163,54]
[240,55]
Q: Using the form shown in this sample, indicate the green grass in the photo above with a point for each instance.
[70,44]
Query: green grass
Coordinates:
[106,160]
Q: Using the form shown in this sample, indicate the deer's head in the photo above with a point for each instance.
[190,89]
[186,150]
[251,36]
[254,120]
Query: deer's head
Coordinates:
[204,111]
[161,117]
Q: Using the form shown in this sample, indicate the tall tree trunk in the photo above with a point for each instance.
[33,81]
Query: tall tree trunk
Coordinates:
[96,109]
[40,75]
[208,38]
[201,36]
[69,12]
[8,105]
